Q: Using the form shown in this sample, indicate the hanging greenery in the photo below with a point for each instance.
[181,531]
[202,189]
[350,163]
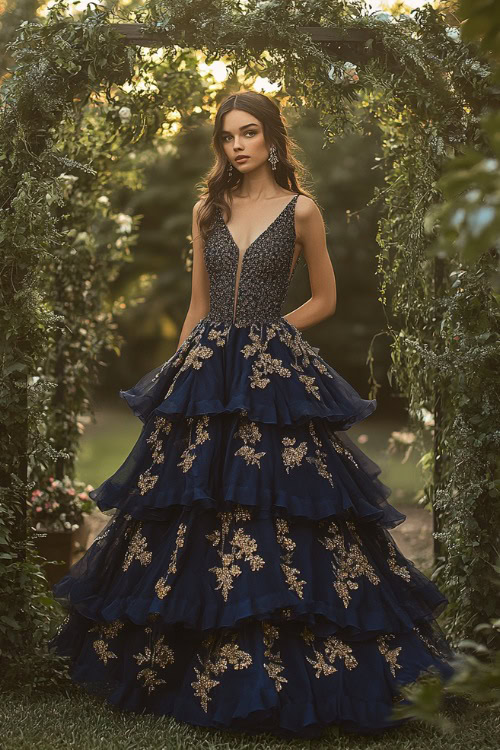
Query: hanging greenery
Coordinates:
[427,90]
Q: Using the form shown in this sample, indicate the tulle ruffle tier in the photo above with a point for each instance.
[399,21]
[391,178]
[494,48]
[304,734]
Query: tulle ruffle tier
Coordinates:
[260,677]
[267,369]
[247,579]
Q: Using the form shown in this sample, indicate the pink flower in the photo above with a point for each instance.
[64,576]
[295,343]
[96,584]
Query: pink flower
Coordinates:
[51,479]
[38,508]
[71,491]
[83,496]
[36,493]
[362,438]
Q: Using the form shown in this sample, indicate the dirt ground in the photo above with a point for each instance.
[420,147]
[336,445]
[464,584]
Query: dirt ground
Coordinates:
[413,536]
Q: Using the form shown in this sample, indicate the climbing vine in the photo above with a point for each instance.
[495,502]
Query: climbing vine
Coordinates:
[427,90]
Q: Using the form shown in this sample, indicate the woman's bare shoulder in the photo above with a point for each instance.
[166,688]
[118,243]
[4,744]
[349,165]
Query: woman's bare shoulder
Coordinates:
[306,207]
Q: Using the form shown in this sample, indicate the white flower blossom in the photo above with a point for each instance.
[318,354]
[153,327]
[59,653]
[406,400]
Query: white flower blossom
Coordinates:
[67,525]
[381,15]
[453,33]
[81,237]
[489,165]
[124,223]
[125,114]
[71,178]
[426,417]
[74,527]
[349,74]
[471,196]
[104,200]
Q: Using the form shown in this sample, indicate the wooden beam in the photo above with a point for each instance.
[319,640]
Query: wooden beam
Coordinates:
[135,33]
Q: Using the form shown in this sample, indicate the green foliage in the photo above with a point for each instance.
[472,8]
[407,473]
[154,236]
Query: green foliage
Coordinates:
[27,612]
[476,678]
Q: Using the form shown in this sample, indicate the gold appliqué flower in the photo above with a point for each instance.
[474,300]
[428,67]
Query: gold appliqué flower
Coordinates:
[264,364]
[250,434]
[161,586]
[390,655]
[287,544]
[242,547]
[137,550]
[274,666]
[158,655]
[147,480]
[323,662]
[220,656]
[202,435]
[349,563]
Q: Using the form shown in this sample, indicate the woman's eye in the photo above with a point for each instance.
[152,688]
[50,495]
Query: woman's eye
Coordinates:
[251,132]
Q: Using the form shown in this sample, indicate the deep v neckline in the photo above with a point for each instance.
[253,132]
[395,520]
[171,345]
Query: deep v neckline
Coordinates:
[242,256]
[264,231]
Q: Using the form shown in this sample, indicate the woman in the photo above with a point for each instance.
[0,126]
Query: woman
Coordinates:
[247,579]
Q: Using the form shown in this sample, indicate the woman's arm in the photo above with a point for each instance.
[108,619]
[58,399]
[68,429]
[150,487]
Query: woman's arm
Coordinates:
[310,232]
[200,283]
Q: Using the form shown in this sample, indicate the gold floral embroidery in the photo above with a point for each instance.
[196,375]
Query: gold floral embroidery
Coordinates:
[301,348]
[334,648]
[99,539]
[264,364]
[106,633]
[292,454]
[288,545]
[319,456]
[189,454]
[340,447]
[243,547]
[161,586]
[274,666]
[309,381]
[147,480]
[399,570]
[180,351]
[389,655]
[349,563]
[219,657]
[194,359]
[430,645]
[322,368]
[250,434]
[158,655]
[294,342]
[63,624]
[137,550]
[219,336]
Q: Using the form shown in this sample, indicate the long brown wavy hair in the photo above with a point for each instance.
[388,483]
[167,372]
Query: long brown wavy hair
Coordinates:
[217,185]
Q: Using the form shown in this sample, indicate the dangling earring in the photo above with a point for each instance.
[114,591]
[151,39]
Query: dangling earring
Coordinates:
[273,157]
[230,169]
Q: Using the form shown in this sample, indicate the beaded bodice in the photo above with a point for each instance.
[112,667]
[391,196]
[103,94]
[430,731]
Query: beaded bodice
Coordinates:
[264,271]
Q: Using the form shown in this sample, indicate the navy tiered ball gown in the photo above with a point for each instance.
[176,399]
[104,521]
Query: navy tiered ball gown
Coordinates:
[247,578]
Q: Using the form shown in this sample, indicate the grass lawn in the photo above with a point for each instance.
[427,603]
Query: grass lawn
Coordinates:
[75,720]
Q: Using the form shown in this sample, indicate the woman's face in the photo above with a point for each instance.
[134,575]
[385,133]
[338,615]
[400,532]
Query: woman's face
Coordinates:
[243,135]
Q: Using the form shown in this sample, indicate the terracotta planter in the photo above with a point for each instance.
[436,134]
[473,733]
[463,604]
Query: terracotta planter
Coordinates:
[56,545]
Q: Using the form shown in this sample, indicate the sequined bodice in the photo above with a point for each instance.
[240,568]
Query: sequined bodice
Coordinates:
[264,271]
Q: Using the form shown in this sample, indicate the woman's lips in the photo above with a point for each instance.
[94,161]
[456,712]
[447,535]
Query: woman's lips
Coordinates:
[241,158]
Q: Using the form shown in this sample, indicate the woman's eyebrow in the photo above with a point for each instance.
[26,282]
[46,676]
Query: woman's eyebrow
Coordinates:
[224,132]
